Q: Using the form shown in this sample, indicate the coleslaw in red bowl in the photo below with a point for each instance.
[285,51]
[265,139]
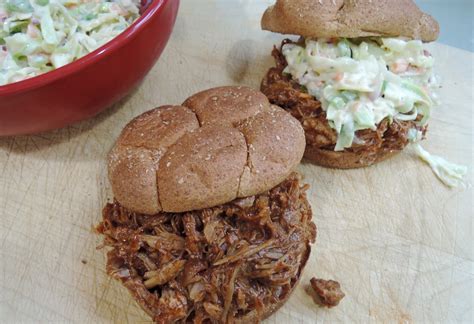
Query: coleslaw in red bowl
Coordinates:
[91,83]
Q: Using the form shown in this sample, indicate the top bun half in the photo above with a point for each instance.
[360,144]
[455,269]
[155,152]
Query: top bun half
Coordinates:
[350,19]
[221,144]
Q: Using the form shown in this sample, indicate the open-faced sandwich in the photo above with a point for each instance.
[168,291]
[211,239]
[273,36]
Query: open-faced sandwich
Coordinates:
[210,223]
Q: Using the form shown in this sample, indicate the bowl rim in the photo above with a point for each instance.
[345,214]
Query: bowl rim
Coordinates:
[87,60]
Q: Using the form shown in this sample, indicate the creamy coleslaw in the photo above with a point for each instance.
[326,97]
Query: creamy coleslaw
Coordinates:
[360,82]
[449,173]
[37,36]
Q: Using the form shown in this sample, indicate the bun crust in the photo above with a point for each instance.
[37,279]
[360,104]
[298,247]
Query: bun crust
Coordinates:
[223,143]
[345,160]
[350,19]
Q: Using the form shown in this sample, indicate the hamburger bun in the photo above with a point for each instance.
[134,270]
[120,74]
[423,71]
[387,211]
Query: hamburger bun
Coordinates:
[350,19]
[221,144]
[346,160]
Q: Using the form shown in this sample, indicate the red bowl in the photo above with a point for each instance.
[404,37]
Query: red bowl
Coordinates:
[94,82]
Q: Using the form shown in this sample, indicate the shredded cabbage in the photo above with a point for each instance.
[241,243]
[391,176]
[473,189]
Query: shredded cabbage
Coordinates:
[449,173]
[360,82]
[37,36]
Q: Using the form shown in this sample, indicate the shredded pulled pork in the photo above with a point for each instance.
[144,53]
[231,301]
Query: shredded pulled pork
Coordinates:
[231,263]
[328,291]
[285,92]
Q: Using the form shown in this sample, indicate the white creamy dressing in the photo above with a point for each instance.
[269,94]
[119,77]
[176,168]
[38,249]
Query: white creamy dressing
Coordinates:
[360,82]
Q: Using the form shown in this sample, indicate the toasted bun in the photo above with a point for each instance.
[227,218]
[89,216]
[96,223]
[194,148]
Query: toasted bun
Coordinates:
[345,160]
[222,144]
[350,18]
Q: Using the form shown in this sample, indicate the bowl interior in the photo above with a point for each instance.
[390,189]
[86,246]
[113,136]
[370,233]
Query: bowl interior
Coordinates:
[148,9]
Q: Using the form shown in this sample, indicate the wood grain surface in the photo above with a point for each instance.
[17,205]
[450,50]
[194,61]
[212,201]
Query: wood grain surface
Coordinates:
[400,243]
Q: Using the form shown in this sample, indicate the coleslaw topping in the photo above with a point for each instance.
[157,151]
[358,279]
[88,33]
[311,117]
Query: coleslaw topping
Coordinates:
[360,82]
[451,174]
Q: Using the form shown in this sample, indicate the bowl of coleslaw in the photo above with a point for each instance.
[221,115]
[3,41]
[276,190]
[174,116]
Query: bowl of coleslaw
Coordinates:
[62,61]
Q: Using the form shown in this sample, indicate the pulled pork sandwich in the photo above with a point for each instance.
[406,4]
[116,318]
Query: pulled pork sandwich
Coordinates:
[210,223]
[358,79]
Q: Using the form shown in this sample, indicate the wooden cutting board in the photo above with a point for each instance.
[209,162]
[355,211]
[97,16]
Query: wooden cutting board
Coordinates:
[400,243]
